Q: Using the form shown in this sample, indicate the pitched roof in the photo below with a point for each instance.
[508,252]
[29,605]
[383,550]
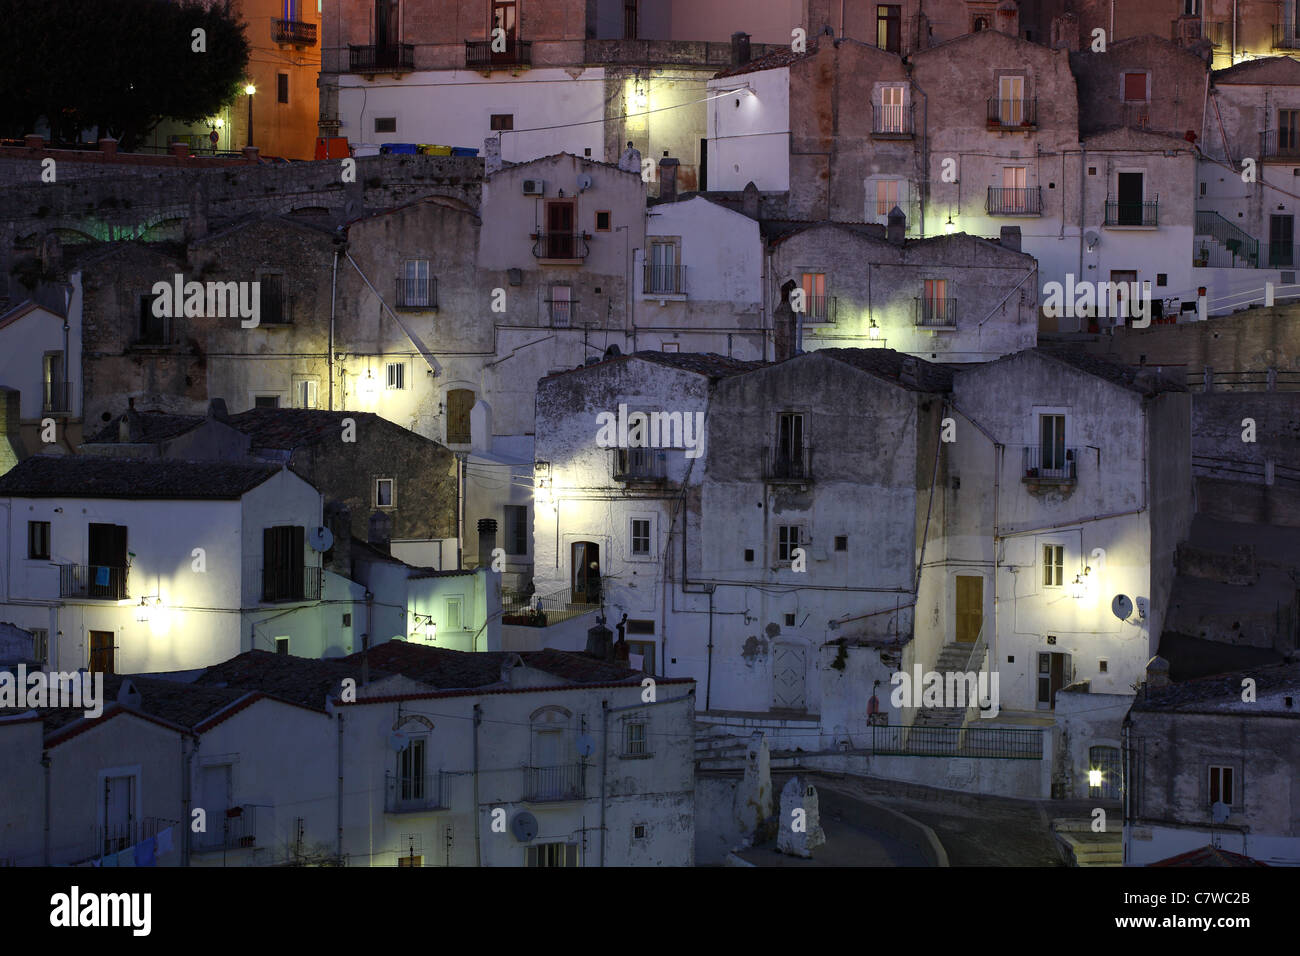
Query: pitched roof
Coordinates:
[49,476]
[285,428]
[1146,381]
[701,363]
[889,365]
[1222,692]
[26,308]
[298,680]
[154,427]
[1262,71]
[176,704]
[446,669]
[1208,856]
[770,61]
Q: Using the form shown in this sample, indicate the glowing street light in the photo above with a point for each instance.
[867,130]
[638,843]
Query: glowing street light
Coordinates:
[1094,778]
[250,89]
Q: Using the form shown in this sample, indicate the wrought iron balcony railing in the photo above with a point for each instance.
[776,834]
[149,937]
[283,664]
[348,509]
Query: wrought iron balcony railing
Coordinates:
[819,309]
[638,464]
[235,829]
[1019,113]
[664,280]
[560,245]
[1286,37]
[479,54]
[417,294]
[392,58]
[289,584]
[95,581]
[57,398]
[1132,213]
[936,313]
[788,464]
[891,121]
[411,794]
[1015,201]
[1051,463]
[295,32]
[1280,144]
[554,783]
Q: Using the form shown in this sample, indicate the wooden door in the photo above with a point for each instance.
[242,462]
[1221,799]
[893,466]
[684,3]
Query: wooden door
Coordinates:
[788,676]
[559,230]
[460,401]
[106,553]
[1130,192]
[970,608]
[101,652]
[585,571]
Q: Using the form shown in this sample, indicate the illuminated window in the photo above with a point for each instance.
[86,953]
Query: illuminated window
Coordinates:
[452,617]
[1053,565]
[889,27]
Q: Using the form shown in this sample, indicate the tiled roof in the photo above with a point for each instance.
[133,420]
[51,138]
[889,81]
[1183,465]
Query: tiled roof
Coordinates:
[1208,856]
[888,364]
[183,705]
[1264,71]
[579,668]
[24,308]
[438,667]
[154,427]
[701,363]
[1222,692]
[298,680]
[1146,381]
[50,476]
[284,428]
[771,61]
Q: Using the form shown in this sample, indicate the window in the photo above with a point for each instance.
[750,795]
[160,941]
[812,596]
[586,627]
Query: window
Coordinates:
[411,770]
[153,328]
[266,401]
[1135,87]
[841,542]
[814,295]
[629,20]
[1051,447]
[644,650]
[56,386]
[385,124]
[1104,768]
[1288,125]
[1015,196]
[602,220]
[501,121]
[670,347]
[936,307]
[282,87]
[638,831]
[383,492]
[306,393]
[282,646]
[789,459]
[559,240]
[889,23]
[891,110]
[787,539]
[664,275]
[40,644]
[516,528]
[1053,565]
[886,196]
[38,540]
[749,554]
[395,374]
[107,561]
[1011,100]
[452,617]
[635,741]
[561,303]
[1191,8]
[789,620]
[1221,790]
[552,854]
[416,291]
[640,537]
[1103,665]
[274,302]
[283,564]
[459,403]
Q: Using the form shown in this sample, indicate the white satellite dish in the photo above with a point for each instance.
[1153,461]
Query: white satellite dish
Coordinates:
[397,741]
[1219,812]
[320,538]
[1122,607]
[584,181]
[586,746]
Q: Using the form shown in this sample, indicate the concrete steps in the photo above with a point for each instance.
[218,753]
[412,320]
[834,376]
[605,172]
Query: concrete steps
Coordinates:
[723,744]
[1084,848]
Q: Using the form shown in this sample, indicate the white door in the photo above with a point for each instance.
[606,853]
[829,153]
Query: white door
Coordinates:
[788,669]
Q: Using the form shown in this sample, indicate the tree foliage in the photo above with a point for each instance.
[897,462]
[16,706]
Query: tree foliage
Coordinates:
[120,66]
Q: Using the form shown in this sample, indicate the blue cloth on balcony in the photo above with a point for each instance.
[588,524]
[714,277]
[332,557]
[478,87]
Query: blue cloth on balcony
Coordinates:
[165,842]
[144,853]
[101,576]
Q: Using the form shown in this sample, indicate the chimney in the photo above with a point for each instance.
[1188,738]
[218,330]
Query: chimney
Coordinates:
[749,201]
[1157,673]
[338,519]
[1006,19]
[739,49]
[1010,238]
[380,534]
[897,227]
[1065,32]
[600,641]
[630,161]
[128,695]
[217,410]
[492,154]
[108,147]
[668,177]
[487,541]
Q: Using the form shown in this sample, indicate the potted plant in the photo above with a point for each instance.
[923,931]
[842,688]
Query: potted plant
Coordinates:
[1202,257]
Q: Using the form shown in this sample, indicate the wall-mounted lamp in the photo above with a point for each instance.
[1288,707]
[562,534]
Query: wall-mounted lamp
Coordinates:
[874,331]
[1079,586]
[949,227]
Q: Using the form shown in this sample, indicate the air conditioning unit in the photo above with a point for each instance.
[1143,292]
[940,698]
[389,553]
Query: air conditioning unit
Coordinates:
[534,187]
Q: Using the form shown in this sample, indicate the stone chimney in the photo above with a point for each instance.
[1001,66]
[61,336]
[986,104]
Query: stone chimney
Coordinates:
[739,49]
[380,533]
[1157,673]
[487,541]
[1065,32]
[108,147]
[749,201]
[1006,19]
[897,228]
[339,520]
[630,161]
[492,154]
[1010,238]
[217,410]
[668,177]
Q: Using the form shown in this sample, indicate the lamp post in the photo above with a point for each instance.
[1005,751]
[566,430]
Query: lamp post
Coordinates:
[250,89]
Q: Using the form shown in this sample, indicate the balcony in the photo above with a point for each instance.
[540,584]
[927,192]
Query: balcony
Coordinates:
[792,465]
[1014,201]
[561,248]
[395,58]
[235,829]
[664,280]
[123,836]
[415,794]
[891,121]
[480,56]
[288,584]
[1139,214]
[57,398]
[275,308]
[417,295]
[936,313]
[1285,37]
[295,32]
[1013,114]
[1050,465]
[550,784]
[638,465]
[538,610]
[819,310]
[1280,145]
[96,582]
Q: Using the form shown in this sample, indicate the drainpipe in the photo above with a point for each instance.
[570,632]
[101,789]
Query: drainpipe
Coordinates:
[478,814]
[45,763]
[187,798]
[708,679]
[1083,210]
[338,849]
[460,512]
[604,758]
[1127,829]
[924,179]
[329,357]
[1111,37]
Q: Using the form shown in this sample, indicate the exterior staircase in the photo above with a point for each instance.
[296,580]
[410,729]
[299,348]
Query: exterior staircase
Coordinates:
[953,657]
[1084,848]
[1226,244]
[722,747]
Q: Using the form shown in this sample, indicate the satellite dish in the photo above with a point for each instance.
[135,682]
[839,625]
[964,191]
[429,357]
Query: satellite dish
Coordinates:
[321,538]
[584,181]
[397,741]
[1219,812]
[586,746]
[1122,607]
[524,826]
[1091,238]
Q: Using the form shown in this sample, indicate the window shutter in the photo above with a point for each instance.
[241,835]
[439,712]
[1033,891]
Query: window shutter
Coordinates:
[530,855]
[1135,87]
[571,854]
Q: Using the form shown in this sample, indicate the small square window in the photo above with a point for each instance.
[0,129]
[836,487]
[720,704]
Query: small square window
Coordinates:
[347,620]
[636,739]
[1102,666]
[789,620]
[1092,170]
[502,121]
[396,374]
[749,554]
[602,220]
[841,542]
[282,646]
[383,492]
[1162,278]
[385,124]
[638,832]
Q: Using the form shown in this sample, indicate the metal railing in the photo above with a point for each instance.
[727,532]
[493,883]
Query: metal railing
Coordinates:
[554,783]
[479,53]
[57,398]
[638,464]
[1240,469]
[1050,464]
[998,743]
[96,581]
[236,829]
[1014,201]
[1259,380]
[1285,37]
[376,59]
[537,610]
[293,31]
[936,313]
[1282,255]
[819,309]
[410,794]
[1012,113]
[415,293]
[1283,144]
[892,121]
[123,836]
[1230,247]
[787,464]
[560,245]
[1128,213]
[289,584]
[664,279]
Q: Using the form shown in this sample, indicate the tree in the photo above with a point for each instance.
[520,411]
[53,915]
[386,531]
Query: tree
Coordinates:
[121,66]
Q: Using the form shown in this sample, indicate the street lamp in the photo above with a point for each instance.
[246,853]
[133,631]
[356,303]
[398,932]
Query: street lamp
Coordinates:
[250,89]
